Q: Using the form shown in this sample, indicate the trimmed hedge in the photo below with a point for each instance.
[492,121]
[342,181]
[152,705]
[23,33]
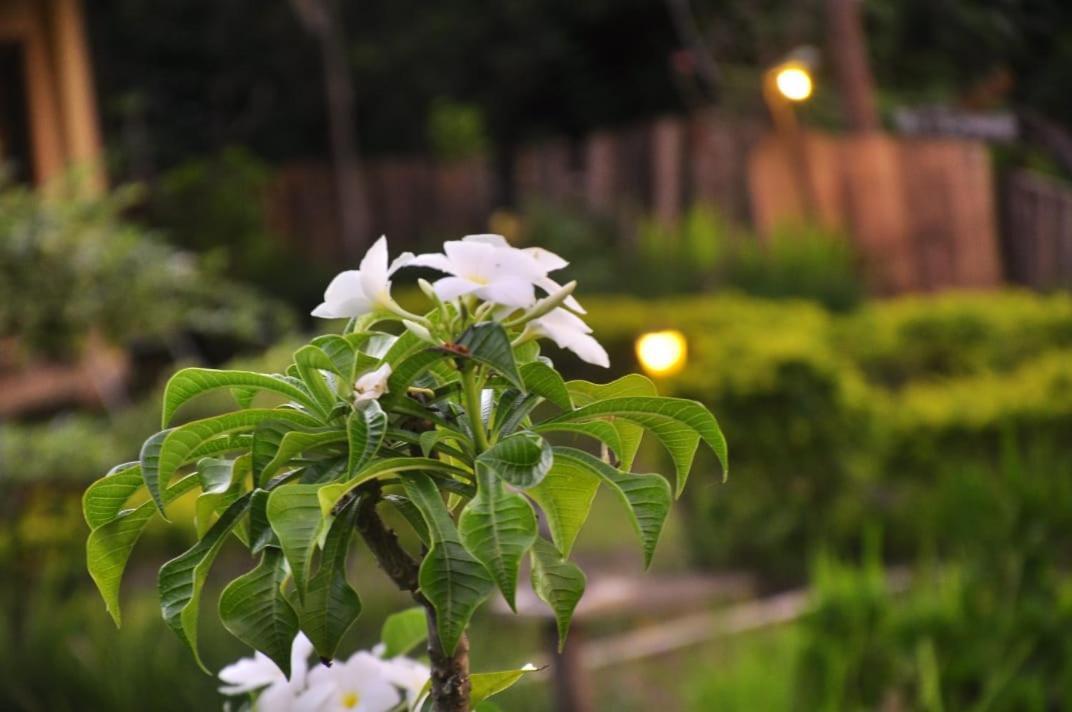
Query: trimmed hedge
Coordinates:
[838,422]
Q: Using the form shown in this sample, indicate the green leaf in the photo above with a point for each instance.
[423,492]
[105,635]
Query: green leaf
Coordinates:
[449,577]
[401,347]
[331,604]
[191,382]
[545,381]
[181,579]
[679,424]
[260,531]
[522,459]
[222,482]
[403,631]
[150,467]
[629,434]
[339,349]
[558,583]
[604,431]
[182,441]
[498,527]
[408,371]
[488,684]
[565,496]
[254,610]
[365,429]
[411,515]
[647,497]
[110,543]
[311,362]
[296,442]
[331,494]
[489,344]
[512,409]
[294,514]
[104,499]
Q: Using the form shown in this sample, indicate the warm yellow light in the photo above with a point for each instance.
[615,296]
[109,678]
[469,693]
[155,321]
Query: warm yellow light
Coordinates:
[662,353]
[794,82]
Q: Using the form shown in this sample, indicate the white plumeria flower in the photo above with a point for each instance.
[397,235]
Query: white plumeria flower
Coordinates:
[358,685]
[251,674]
[486,267]
[409,675]
[570,332]
[359,291]
[372,385]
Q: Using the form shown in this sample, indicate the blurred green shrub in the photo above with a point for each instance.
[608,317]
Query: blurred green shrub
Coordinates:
[216,205]
[703,252]
[842,421]
[72,266]
[984,625]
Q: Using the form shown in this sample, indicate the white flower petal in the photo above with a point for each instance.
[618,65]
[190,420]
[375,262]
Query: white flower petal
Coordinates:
[509,291]
[300,650]
[345,297]
[473,260]
[277,698]
[373,384]
[487,239]
[434,260]
[373,271]
[551,286]
[450,288]
[548,260]
[249,674]
[403,260]
[570,332]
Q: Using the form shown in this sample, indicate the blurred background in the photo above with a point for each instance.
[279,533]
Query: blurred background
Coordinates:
[848,222]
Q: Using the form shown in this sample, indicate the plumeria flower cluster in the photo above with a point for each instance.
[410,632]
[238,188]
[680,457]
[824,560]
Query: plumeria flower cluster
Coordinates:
[365,682]
[486,278]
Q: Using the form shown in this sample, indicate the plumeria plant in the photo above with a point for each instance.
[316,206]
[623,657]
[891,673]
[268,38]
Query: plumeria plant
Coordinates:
[441,423]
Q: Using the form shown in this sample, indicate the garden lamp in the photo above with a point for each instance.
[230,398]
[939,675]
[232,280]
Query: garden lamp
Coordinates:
[662,353]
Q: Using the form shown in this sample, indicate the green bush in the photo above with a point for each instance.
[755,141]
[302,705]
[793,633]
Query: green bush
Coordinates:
[71,267]
[229,224]
[985,623]
[841,421]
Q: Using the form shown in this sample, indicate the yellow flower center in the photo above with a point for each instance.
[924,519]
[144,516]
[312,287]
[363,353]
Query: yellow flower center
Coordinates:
[350,700]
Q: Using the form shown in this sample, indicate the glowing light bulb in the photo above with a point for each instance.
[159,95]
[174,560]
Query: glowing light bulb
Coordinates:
[662,353]
[793,82]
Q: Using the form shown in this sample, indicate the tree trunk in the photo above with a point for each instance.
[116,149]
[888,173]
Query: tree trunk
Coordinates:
[323,19]
[450,673]
[848,50]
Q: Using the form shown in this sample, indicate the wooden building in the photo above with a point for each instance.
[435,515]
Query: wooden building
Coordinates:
[48,113]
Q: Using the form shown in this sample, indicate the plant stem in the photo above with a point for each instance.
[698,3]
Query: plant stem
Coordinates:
[450,673]
[472,388]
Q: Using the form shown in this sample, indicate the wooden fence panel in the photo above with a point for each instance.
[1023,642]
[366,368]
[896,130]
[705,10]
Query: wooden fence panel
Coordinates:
[920,212]
[1038,230]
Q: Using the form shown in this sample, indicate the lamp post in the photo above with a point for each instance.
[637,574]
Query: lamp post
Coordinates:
[785,84]
[662,353]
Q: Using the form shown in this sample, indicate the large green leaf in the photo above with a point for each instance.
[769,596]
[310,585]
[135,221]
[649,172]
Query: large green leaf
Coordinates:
[222,483]
[604,431]
[488,343]
[191,382]
[180,442]
[449,577]
[339,349]
[294,513]
[110,543]
[559,583]
[254,610]
[104,499]
[181,579]
[403,631]
[296,442]
[498,527]
[629,434]
[408,371]
[545,381]
[332,493]
[331,604]
[365,429]
[647,497]
[311,362]
[522,459]
[483,685]
[150,467]
[566,497]
[679,424]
